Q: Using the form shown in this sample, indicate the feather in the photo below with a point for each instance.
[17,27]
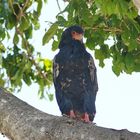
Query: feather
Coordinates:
[93,72]
[56,69]
[75,78]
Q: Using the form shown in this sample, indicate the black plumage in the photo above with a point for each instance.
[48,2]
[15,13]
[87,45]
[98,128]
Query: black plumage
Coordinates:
[74,75]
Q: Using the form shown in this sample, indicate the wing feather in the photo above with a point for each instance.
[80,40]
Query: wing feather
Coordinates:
[93,73]
[55,70]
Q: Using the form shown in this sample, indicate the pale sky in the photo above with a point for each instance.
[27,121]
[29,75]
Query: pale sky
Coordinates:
[118,98]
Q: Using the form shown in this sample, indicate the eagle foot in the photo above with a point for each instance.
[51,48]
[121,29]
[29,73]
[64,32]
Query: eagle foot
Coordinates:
[72,114]
[85,118]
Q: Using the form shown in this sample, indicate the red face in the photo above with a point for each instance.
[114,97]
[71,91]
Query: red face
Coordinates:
[77,36]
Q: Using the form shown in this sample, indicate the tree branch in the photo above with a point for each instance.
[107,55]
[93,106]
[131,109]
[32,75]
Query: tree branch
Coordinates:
[58,5]
[26,45]
[19,121]
[106,29]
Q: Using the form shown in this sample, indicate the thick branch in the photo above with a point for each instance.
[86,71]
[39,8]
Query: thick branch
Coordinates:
[19,121]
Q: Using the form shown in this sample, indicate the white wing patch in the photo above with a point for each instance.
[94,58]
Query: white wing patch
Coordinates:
[56,69]
[92,68]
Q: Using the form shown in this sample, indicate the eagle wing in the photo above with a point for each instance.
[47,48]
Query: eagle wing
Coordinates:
[59,84]
[93,73]
[56,72]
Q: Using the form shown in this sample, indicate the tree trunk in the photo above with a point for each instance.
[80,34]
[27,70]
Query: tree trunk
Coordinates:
[20,121]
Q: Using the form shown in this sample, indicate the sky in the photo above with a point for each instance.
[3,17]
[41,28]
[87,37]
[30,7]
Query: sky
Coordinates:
[117,100]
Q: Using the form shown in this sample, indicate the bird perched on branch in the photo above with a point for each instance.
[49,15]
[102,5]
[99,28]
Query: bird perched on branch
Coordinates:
[74,75]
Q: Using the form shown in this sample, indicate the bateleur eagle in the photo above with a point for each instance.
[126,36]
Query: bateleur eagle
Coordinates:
[74,76]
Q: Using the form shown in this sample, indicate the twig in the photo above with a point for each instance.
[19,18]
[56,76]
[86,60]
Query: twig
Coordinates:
[106,29]
[43,75]
[58,5]
[25,5]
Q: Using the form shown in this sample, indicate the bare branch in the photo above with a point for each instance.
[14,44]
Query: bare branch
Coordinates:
[20,121]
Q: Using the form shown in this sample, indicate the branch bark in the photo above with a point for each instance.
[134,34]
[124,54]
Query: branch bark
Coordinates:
[19,121]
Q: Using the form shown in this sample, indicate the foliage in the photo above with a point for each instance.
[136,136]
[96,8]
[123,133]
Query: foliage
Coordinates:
[101,20]
[19,62]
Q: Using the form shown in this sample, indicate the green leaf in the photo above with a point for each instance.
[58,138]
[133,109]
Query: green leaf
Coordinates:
[24,25]
[8,35]
[45,1]
[1,60]
[2,33]
[99,55]
[27,79]
[2,80]
[118,63]
[50,33]
[16,39]
[61,21]
[17,78]
[55,45]
[28,32]
[137,68]
[116,70]
[41,88]
[50,96]
[39,7]
[90,43]
[11,21]
[129,63]
[2,47]
[102,54]
[48,64]
[36,25]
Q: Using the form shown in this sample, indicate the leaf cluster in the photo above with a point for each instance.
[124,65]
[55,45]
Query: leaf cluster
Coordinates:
[19,61]
[101,20]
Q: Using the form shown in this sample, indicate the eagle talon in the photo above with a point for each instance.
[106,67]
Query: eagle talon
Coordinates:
[85,118]
[72,114]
